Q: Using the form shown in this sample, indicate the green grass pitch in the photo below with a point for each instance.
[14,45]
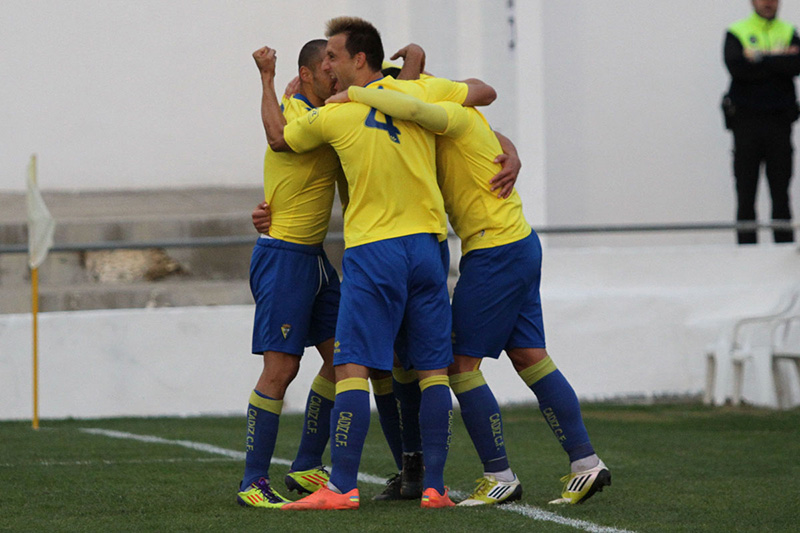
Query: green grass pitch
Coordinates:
[674,468]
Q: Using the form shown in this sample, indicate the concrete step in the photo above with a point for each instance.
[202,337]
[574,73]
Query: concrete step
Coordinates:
[132,278]
[172,293]
[135,215]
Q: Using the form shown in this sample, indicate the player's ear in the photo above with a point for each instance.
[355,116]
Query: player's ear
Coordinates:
[361,59]
[305,74]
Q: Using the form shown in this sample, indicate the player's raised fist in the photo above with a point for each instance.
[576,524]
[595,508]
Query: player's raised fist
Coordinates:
[265,59]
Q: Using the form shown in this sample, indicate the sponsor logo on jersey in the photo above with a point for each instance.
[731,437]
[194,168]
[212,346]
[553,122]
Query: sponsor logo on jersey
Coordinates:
[286,329]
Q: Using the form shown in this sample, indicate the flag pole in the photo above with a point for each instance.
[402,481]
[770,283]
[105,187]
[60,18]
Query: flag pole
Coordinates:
[35,301]
[35,311]
[41,228]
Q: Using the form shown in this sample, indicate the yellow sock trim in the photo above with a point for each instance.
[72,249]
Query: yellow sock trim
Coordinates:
[323,387]
[352,384]
[273,406]
[466,381]
[534,373]
[382,386]
[433,380]
[404,376]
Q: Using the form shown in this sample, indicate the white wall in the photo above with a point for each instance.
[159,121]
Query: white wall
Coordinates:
[614,105]
[633,123]
[620,322]
[147,94]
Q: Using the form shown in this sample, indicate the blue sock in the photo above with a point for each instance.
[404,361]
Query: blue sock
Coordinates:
[349,426]
[317,424]
[481,416]
[263,415]
[560,407]
[389,417]
[435,421]
[406,391]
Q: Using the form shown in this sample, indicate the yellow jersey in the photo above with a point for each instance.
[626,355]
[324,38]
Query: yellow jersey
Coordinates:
[389,165]
[300,187]
[465,156]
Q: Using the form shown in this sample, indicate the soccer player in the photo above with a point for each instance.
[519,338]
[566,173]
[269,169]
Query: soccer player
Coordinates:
[496,302]
[392,265]
[407,483]
[296,291]
[402,437]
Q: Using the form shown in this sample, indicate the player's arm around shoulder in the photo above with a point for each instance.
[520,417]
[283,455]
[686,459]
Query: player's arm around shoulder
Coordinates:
[479,93]
[413,61]
[471,92]
[401,106]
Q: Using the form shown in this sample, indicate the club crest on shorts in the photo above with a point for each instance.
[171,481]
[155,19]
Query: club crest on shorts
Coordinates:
[285,329]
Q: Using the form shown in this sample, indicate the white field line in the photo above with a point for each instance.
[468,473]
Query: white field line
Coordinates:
[103,462]
[208,448]
[526,510]
[547,516]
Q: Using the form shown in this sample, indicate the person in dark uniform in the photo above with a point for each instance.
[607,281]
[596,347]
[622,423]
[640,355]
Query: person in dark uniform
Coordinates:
[762,54]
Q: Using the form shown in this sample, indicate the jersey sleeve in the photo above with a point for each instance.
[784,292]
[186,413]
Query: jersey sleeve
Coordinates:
[305,133]
[459,121]
[402,106]
[444,90]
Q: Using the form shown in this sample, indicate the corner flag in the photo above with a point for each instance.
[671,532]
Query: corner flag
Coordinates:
[41,225]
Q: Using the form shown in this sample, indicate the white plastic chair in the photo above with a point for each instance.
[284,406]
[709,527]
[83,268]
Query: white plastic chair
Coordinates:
[785,347]
[746,340]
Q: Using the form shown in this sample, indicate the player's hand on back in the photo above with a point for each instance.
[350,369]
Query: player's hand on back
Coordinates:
[293,87]
[507,177]
[338,98]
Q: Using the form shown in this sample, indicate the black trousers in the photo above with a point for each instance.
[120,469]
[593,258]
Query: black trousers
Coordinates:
[763,138]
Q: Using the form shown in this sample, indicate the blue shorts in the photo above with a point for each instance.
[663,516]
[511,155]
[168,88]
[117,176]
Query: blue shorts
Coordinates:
[496,302]
[388,282]
[444,252]
[401,342]
[296,290]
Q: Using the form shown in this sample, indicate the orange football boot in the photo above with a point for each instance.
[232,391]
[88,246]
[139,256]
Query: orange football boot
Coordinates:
[325,499]
[431,499]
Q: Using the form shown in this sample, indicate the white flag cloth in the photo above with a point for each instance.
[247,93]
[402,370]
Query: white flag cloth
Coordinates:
[41,225]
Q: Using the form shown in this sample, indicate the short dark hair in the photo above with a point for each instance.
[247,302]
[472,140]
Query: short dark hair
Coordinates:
[394,72]
[311,53]
[361,37]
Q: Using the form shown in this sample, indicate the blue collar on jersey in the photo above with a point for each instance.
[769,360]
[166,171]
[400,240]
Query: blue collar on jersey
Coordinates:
[304,99]
[374,81]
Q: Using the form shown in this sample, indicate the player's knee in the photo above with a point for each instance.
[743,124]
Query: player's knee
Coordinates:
[523,358]
[280,369]
[463,363]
